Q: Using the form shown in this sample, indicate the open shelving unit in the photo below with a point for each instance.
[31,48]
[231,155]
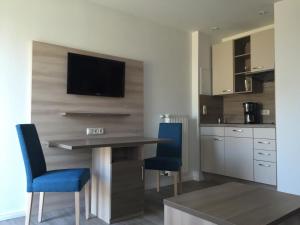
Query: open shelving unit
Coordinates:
[243,81]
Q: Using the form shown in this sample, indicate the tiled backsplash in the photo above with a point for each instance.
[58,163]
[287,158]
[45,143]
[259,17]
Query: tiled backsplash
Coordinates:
[214,105]
[231,109]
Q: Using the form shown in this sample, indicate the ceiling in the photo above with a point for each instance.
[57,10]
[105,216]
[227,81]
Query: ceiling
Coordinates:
[231,16]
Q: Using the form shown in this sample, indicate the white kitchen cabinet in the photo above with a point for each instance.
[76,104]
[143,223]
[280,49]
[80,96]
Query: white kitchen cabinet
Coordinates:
[222,67]
[265,144]
[265,172]
[238,132]
[265,133]
[212,154]
[240,152]
[267,156]
[213,131]
[262,51]
[239,158]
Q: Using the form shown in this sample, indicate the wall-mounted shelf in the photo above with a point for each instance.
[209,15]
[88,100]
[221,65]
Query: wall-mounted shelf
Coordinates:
[94,114]
[242,55]
[242,73]
[243,83]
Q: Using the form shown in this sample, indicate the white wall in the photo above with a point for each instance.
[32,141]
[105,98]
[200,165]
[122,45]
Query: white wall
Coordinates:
[84,25]
[201,84]
[287,48]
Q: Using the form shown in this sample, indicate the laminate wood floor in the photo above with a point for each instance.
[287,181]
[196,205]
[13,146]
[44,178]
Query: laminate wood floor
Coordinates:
[153,215]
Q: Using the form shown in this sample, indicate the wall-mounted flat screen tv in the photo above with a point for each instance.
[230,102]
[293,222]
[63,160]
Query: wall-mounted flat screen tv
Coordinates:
[88,75]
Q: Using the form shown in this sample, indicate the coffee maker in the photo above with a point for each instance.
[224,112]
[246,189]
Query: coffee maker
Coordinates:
[251,113]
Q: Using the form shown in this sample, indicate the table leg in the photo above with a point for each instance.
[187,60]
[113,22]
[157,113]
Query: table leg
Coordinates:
[101,183]
[94,183]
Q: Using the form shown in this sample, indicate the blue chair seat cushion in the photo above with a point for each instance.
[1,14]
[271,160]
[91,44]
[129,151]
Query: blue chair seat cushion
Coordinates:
[163,163]
[66,180]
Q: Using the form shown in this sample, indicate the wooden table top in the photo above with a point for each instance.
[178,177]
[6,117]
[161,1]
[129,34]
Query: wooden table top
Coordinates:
[237,204]
[104,142]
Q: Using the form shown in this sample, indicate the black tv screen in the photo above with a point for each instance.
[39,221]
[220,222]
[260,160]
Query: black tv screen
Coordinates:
[88,75]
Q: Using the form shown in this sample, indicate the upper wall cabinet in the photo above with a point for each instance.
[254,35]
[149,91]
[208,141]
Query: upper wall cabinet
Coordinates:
[262,51]
[222,68]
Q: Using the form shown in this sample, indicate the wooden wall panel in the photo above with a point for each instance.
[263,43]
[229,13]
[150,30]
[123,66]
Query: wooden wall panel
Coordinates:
[49,99]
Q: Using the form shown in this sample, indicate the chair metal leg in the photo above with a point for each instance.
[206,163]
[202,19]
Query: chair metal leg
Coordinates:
[180,181]
[41,206]
[87,200]
[77,208]
[28,209]
[157,180]
[175,183]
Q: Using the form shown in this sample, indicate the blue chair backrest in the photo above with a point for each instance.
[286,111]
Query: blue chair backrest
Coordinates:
[32,152]
[170,131]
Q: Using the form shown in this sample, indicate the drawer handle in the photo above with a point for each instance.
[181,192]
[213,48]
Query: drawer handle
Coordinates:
[267,154]
[264,165]
[225,91]
[235,130]
[264,142]
[218,139]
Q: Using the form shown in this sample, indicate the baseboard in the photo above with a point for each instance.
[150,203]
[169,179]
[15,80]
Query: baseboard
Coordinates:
[11,215]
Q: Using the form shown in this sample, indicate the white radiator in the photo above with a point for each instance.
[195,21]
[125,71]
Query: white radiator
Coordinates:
[173,118]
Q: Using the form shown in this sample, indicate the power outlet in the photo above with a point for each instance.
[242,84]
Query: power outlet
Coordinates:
[94,131]
[265,112]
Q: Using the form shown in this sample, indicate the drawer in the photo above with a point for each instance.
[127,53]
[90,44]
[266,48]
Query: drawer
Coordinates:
[269,156]
[264,133]
[213,131]
[265,172]
[238,132]
[265,144]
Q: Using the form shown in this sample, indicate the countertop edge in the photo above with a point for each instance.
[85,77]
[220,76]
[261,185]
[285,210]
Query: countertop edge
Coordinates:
[69,146]
[239,125]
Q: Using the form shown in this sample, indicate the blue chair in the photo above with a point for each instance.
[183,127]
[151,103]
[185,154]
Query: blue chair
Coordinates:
[168,155]
[41,180]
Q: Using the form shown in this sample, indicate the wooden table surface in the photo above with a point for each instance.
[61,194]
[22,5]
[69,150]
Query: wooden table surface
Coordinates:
[104,142]
[237,204]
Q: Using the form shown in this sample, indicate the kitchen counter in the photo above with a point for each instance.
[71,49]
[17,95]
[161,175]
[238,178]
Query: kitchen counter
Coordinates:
[263,125]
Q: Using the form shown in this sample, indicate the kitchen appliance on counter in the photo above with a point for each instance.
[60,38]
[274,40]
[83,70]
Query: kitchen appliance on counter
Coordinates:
[251,113]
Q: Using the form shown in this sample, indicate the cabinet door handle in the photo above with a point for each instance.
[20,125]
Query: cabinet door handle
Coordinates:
[264,142]
[237,130]
[261,153]
[257,67]
[225,91]
[218,139]
[264,165]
